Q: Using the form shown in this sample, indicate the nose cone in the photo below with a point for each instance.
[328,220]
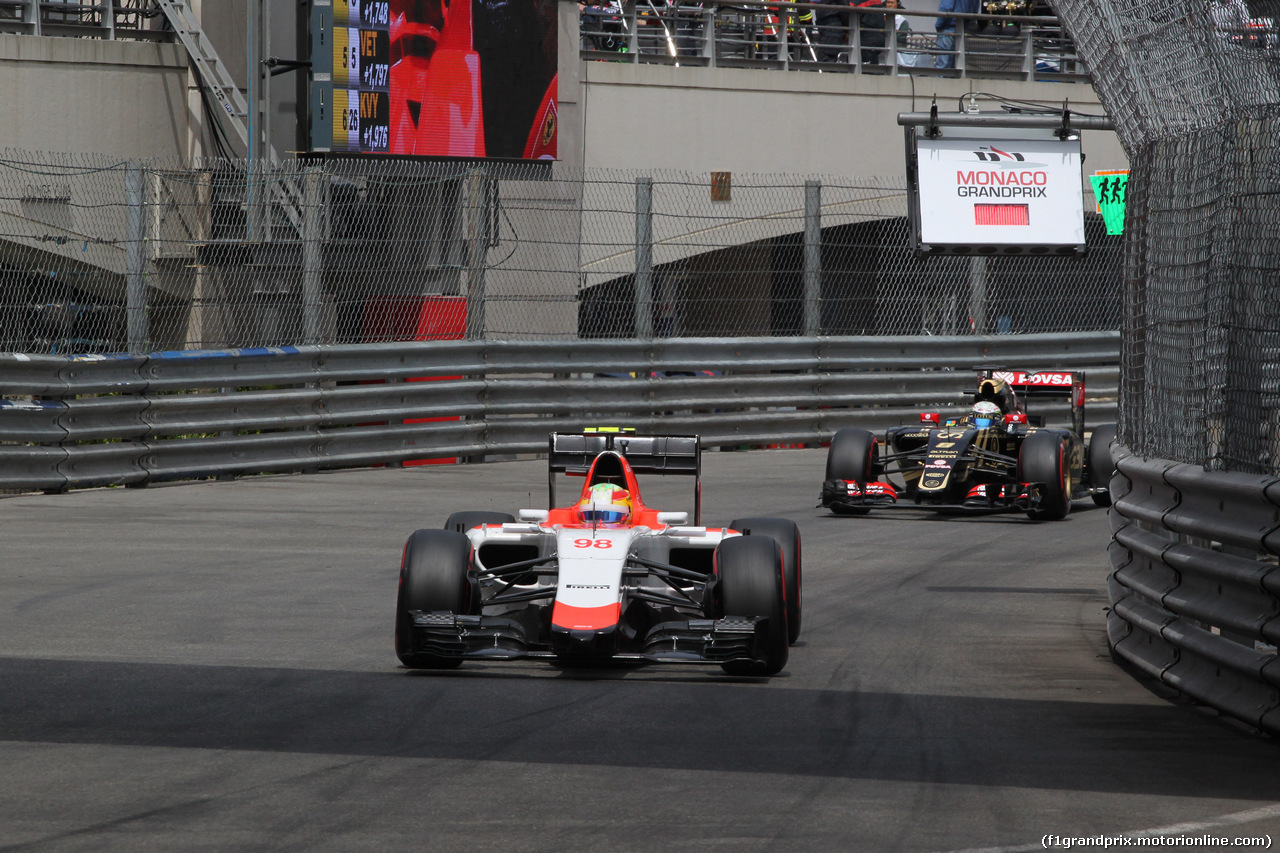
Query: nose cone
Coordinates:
[584,644]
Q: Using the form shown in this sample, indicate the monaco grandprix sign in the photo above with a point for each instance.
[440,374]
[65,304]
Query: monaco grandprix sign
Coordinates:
[984,194]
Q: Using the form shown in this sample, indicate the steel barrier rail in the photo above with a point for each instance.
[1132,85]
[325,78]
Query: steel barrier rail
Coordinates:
[1195,595]
[166,415]
[53,375]
[89,421]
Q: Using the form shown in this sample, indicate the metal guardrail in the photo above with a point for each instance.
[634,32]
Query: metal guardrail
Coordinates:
[824,37]
[71,422]
[1194,587]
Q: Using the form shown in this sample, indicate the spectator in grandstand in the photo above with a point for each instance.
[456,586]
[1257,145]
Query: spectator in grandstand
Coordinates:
[946,27]
[872,27]
[833,31]
[1002,7]
[906,57]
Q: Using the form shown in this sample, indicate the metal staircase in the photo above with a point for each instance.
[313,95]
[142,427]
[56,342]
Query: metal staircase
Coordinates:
[234,107]
[213,73]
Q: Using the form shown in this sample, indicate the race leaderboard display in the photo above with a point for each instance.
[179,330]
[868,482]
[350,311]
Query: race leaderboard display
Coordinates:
[361,75]
[467,78]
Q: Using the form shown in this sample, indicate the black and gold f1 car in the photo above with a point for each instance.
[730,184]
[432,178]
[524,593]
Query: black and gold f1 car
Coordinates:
[994,458]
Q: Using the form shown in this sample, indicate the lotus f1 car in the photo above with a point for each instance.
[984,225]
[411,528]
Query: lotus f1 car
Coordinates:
[996,458]
[604,579]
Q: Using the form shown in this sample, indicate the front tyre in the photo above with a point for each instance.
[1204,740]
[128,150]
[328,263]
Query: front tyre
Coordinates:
[1101,466]
[1043,460]
[749,584]
[851,458]
[433,577]
[852,455]
[785,532]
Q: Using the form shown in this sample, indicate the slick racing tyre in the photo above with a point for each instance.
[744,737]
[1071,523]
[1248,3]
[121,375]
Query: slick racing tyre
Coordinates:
[433,577]
[852,456]
[464,521]
[1101,467]
[748,570]
[787,535]
[1044,460]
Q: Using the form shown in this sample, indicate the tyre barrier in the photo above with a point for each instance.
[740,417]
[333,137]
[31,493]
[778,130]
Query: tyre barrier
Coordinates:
[1194,588]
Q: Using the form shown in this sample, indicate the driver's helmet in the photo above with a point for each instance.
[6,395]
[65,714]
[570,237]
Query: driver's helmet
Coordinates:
[985,414]
[605,503]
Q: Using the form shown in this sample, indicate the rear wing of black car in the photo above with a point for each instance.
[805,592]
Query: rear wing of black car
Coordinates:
[574,453]
[1064,384]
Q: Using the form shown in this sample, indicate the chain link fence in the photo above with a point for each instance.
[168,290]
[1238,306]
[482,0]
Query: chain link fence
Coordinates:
[1194,90]
[99,255]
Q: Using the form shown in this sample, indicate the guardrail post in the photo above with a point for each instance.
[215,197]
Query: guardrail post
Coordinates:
[812,258]
[135,294]
[312,260]
[644,257]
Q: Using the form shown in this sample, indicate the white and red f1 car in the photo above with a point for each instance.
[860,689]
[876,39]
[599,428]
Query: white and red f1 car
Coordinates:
[594,583]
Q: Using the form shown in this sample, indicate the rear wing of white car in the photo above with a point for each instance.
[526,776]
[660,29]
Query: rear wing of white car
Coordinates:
[574,454]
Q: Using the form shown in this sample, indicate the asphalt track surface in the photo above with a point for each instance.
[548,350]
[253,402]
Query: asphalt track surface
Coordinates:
[209,666]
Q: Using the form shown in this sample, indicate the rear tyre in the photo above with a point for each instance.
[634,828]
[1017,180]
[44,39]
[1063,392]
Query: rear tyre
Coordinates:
[464,521]
[785,532]
[748,571]
[1101,466]
[433,576]
[1043,460]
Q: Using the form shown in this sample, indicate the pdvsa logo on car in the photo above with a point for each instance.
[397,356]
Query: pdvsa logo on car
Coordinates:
[1020,378]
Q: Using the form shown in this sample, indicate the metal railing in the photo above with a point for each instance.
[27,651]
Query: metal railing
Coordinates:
[68,422]
[1194,586]
[105,19]
[821,37]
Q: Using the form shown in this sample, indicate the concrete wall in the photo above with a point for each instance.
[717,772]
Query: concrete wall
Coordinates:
[753,121]
[122,98]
